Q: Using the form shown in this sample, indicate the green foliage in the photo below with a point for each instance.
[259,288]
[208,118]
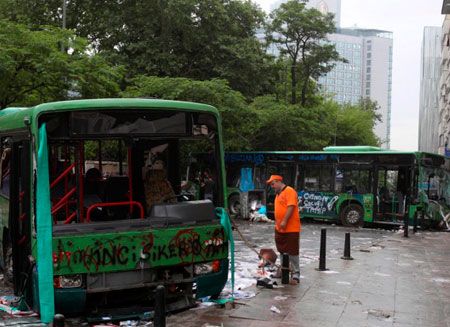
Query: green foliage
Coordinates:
[300,33]
[177,38]
[354,125]
[202,51]
[288,127]
[34,68]
[236,117]
[283,126]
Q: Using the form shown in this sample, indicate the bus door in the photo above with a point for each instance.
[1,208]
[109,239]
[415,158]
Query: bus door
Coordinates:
[392,185]
[17,257]
[353,186]
[289,171]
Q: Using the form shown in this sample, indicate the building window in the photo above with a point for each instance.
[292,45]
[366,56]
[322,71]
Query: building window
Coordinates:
[369,55]
[368,92]
[367,84]
[367,77]
[369,47]
[368,70]
[369,62]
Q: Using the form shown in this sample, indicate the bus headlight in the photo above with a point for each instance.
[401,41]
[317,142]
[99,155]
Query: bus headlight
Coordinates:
[207,267]
[69,281]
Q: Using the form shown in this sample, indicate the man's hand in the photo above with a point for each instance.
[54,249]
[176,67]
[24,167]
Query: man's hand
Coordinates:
[287,216]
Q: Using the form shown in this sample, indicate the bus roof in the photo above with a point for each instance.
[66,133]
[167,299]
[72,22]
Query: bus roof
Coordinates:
[360,149]
[13,117]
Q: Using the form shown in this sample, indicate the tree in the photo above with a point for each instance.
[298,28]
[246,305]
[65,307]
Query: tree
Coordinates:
[176,38]
[34,69]
[300,33]
[283,126]
[354,124]
[237,120]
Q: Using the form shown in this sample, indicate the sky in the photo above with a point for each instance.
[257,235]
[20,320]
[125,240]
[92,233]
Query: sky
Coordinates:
[406,19]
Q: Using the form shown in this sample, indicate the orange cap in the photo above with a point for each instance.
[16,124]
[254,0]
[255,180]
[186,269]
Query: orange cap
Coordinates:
[274,178]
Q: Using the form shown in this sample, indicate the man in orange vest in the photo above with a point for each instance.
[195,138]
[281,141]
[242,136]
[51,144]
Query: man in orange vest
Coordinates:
[287,222]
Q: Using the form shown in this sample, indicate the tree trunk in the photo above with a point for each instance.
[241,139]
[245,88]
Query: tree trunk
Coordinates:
[293,83]
[304,91]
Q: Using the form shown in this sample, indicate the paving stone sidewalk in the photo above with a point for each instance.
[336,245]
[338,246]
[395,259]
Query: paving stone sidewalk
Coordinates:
[395,282]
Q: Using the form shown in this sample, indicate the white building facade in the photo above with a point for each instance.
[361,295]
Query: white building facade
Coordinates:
[368,73]
[430,72]
[444,90]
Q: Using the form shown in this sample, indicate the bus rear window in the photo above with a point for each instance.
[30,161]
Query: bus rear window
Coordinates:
[107,123]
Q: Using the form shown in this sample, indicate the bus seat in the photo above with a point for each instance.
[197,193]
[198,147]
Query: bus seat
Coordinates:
[116,189]
[192,212]
[92,181]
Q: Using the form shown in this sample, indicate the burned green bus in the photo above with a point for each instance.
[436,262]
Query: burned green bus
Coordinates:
[93,213]
[350,185]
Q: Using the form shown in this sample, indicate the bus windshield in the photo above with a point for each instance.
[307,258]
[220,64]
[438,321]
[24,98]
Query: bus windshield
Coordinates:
[116,165]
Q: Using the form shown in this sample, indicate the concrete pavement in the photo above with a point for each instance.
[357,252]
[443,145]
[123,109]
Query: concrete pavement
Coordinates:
[393,281]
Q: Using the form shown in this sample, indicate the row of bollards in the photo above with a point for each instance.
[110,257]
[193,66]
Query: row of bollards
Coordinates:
[323,249]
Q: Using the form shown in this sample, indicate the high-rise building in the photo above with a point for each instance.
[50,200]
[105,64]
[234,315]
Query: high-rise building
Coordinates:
[430,72]
[444,89]
[367,73]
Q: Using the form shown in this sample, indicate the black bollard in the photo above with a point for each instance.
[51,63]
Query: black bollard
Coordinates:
[160,307]
[347,255]
[323,249]
[406,225]
[285,269]
[415,223]
[59,320]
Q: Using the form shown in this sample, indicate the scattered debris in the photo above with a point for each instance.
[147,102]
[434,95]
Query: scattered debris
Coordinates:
[381,274]
[243,295]
[265,283]
[343,283]
[268,257]
[280,298]
[441,280]
[275,309]
[380,313]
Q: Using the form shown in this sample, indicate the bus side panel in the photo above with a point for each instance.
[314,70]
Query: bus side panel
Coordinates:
[108,252]
[318,204]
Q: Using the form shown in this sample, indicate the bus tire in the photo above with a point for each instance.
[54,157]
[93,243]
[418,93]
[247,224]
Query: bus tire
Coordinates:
[234,204]
[352,215]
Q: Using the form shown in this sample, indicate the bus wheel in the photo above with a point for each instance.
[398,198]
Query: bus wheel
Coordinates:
[352,215]
[234,204]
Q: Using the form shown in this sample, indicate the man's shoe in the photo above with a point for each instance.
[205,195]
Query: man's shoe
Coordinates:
[296,277]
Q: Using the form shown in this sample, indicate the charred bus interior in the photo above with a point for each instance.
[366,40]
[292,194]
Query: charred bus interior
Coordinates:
[123,171]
